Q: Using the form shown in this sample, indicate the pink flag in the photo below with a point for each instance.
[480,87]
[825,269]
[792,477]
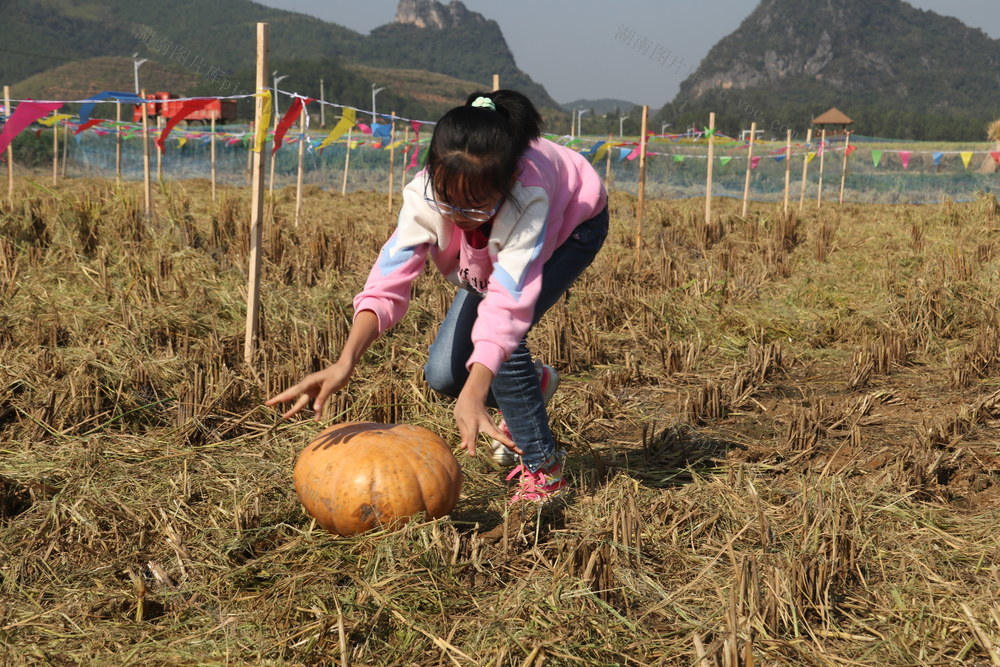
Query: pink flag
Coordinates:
[904,157]
[851,149]
[24,115]
[996,156]
[754,161]
[415,124]
[365,129]
[634,154]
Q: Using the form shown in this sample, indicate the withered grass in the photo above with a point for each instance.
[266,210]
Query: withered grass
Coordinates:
[782,430]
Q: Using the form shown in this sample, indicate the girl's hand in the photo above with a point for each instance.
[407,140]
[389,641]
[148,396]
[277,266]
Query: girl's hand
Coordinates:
[316,387]
[472,419]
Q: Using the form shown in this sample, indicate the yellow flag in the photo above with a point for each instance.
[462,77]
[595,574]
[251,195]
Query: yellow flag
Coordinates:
[181,141]
[345,123]
[601,152]
[54,118]
[966,158]
[809,157]
[265,121]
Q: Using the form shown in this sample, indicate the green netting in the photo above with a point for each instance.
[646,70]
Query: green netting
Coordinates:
[935,172]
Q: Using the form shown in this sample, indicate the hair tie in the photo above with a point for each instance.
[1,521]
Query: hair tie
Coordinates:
[484,103]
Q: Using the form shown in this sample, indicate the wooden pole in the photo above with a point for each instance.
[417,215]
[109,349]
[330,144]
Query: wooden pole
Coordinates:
[159,151]
[212,154]
[118,142]
[788,168]
[322,107]
[843,170]
[253,125]
[145,157]
[347,161]
[55,154]
[496,82]
[298,179]
[805,168]
[822,155]
[65,148]
[392,154]
[607,164]
[640,208]
[10,149]
[711,160]
[256,206]
[746,184]
[406,142]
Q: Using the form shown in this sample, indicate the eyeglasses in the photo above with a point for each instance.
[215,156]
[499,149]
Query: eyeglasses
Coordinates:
[473,214]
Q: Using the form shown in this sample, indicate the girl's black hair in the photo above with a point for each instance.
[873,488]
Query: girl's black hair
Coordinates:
[475,151]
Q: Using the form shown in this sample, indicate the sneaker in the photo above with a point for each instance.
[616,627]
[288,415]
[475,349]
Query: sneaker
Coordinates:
[542,486]
[549,379]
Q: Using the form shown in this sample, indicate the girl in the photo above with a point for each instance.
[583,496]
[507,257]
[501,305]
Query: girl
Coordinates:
[513,219]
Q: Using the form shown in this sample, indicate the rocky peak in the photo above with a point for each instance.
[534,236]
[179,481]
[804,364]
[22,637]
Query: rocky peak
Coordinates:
[433,14]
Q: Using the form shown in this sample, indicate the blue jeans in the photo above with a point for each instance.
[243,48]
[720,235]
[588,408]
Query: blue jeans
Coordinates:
[516,389]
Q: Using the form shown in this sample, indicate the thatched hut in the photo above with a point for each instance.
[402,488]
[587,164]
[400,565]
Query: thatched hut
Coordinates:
[834,121]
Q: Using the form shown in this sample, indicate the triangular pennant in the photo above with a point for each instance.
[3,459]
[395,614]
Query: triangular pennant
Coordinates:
[345,123]
[186,109]
[937,158]
[754,161]
[810,156]
[996,156]
[779,158]
[904,157]
[634,154]
[725,159]
[876,157]
[678,158]
[293,113]
[623,153]
[601,152]
[54,118]
[89,124]
[850,149]
[966,158]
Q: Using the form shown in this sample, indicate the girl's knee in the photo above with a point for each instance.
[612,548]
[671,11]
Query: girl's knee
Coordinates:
[441,379]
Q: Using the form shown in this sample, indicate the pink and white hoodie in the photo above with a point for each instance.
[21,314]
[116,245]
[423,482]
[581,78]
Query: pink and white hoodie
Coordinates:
[556,190]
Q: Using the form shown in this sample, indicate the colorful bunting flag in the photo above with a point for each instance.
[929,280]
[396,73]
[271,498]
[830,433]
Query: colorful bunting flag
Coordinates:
[365,129]
[623,153]
[678,158]
[89,124]
[937,158]
[54,118]
[186,109]
[725,159]
[345,123]
[996,156]
[24,115]
[634,154]
[966,158]
[265,120]
[293,113]
[88,106]
[810,156]
[876,157]
[849,150]
[754,161]
[904,157]
[601,152]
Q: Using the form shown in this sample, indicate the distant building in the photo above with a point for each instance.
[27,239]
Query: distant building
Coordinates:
[833,121]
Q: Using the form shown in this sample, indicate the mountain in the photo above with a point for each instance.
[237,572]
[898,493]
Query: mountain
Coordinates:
[214,43]
[895,70]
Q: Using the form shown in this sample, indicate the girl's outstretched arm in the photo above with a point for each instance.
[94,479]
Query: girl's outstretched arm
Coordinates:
[471,416]
[318,386]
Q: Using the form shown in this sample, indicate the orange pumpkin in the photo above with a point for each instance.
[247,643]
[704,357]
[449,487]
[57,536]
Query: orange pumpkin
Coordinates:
[360,475]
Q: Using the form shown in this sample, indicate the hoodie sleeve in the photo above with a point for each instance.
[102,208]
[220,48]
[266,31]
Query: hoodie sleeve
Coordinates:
[516,250]
[387,290]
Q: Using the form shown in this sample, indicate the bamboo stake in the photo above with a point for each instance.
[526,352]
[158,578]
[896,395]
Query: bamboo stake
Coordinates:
[347,161]
[788,168]
[843,170]
[256,206]
[496,82]
[805,168]
[118,142]
[298,179]
[392,154]
[159,151]
[55,155]
[640,208]
[746,184]
[10,149]
[212,154]
[822,154]
[711,159]
[145,158]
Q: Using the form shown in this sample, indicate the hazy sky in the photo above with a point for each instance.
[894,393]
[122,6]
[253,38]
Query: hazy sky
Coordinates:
[577,50]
